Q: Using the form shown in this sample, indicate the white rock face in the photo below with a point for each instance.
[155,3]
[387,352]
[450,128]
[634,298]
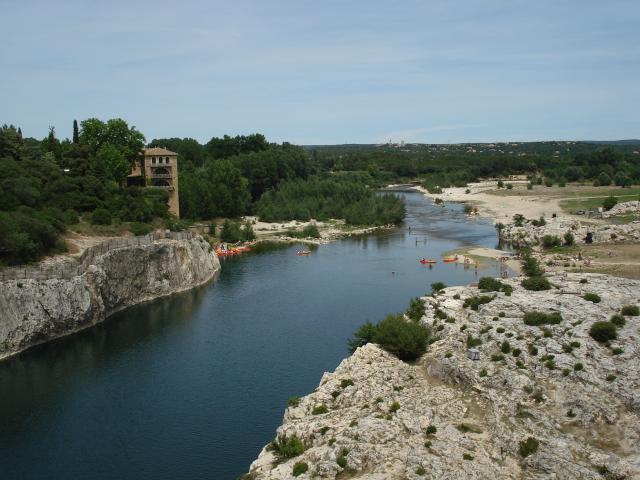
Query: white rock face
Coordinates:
[528,234]
[32,312]
[623,208]
[586,421]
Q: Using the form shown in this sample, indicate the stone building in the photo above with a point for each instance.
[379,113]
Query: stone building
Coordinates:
[160,171]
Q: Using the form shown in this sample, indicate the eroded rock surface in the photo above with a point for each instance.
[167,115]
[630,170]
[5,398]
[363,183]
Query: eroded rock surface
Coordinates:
[34,311]
[579,399]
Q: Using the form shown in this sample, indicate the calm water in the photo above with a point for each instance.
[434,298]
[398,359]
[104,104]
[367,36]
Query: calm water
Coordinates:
[193,386]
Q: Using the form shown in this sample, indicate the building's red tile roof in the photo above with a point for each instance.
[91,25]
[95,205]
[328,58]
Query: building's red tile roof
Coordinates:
[158,151]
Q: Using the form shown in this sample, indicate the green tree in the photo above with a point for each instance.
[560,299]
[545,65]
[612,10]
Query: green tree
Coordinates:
[609,202]
[76,134]
[116,165]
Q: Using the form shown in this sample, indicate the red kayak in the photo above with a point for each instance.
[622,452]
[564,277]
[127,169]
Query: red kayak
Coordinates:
[429,261]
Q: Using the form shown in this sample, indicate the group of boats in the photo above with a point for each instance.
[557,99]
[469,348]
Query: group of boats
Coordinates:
[431,261]
[228,252]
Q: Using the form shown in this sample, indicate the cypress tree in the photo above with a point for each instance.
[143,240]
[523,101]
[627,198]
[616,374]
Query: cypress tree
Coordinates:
[76,136]
[51,140]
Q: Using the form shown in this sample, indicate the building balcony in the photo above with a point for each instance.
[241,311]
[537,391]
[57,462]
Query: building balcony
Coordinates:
[161,175]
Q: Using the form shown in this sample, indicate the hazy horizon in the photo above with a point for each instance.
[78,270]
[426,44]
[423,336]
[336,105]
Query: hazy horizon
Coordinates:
[327,74]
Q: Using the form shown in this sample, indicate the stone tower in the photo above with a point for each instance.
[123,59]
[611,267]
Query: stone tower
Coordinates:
[161,171]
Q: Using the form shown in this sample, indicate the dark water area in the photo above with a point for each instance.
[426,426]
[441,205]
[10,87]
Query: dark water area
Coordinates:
[192,386]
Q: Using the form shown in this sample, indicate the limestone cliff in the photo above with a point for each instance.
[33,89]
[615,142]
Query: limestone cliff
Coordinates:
[540,403]
[35,311]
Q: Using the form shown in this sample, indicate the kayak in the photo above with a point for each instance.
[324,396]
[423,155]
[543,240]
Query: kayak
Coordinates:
[303,252]
[450,259]
[425,261]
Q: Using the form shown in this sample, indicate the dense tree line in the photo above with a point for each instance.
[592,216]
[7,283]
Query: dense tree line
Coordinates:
[331,196]
[46,185]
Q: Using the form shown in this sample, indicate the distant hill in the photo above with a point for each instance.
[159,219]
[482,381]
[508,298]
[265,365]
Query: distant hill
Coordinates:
[615,142]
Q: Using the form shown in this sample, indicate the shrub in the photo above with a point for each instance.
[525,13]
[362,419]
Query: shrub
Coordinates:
[394,407]
[536,283]
[138,228]
[284,447]
[467,456]
[431,430]
[500,329]
[420,471]
[500,184]
[592,297]
[569,239]
[363,335]
[346,382]
[415,310]
[319,410]
[609,202]
[533,350]
[311,231]
[293,402]
[407,341]
[578,367]
[437,286]
[341,459]
[630,310]
[603,332]
[101,216]
[539,223]
[483,373]
[528,447]
[473,341]
[617,351]
[467,191]
[540,318]
[299,468]
[468,209]
[509,186]
[531,266]
[518,220]
[497,357]
[610,378]
[474,302]
[529,186]
[516,352]
[551,241]
[618,320]
[488,284]
[584,280]
[233,232]
[505,347]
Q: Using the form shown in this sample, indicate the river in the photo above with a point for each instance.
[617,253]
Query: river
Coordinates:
[193,386]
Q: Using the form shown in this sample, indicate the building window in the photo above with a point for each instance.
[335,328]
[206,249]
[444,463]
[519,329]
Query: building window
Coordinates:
[153,160]
[167,160]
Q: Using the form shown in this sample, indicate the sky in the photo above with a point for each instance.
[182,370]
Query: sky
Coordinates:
[326,72]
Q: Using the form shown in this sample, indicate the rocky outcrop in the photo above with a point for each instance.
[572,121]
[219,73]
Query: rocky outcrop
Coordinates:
[529,234]
[449,417]
[35,311]
[623,208]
